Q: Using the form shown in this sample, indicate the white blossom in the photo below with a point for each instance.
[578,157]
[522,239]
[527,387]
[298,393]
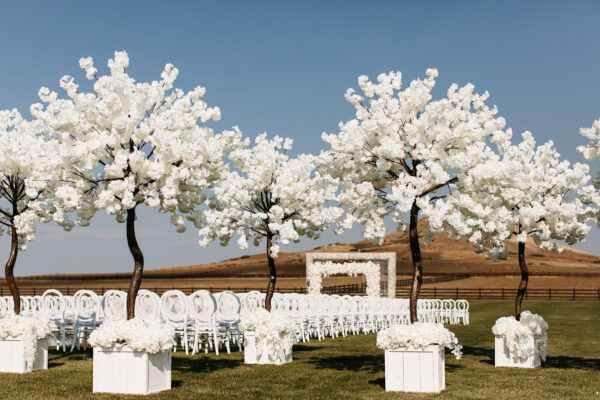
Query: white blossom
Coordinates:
[29,330]
[516,334]
[136,143]
[151,336]
[270,194]
[404,149]
[418,335]
[528,192]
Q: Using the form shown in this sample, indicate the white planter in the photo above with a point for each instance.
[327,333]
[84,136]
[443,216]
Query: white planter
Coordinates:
[251,355]
[122,370]
[12,355]
[503,357]
[415,370]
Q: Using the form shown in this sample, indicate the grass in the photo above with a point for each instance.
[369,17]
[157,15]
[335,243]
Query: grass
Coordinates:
[353,367]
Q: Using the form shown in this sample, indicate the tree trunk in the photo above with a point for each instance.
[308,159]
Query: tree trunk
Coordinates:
[415,251]
[524,279]
[10,266]
[138,258]
[272,274]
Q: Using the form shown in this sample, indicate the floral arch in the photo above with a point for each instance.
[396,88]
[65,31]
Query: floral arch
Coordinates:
[377,268]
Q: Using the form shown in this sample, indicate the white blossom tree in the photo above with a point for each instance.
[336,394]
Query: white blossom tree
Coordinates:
[403,151]
[31,170]
[136,144]
[272,197]
[526,193]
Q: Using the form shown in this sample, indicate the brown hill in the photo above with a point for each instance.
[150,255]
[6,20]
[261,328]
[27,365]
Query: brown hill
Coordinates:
[445,256]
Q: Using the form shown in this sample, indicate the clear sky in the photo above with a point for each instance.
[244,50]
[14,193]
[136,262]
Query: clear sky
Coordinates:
[283,67]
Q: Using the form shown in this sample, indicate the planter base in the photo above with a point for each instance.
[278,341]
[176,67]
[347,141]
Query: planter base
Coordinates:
[12,356]
[122,370]
[251,356]
[502,357]
[415,370]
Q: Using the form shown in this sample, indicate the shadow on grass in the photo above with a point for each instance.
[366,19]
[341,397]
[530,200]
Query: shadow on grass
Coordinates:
[563,362]
[486,353]
[205,365]
[303,347]
[378,382]
[350,363]
[75,356]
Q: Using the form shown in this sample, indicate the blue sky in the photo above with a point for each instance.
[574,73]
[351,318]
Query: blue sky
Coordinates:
[283,67]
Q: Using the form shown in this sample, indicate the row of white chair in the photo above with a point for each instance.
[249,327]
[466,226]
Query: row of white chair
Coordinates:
[210,321]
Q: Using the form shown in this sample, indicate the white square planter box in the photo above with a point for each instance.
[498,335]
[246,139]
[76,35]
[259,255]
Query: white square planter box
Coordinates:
[251,356]
[503,358]
[122,370]
[415,370]
[12,355]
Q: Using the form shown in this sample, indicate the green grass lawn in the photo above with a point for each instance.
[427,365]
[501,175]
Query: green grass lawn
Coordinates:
[353,367]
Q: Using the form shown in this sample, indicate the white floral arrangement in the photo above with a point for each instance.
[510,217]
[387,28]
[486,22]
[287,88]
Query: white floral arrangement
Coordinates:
[151,336]
[515,332]
[275,334]
[29,330]
[418,335]
[316,272]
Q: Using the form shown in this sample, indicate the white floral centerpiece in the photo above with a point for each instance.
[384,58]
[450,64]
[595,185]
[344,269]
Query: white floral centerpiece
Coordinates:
[317,270]
[132,356]
[269,338]
[418,335]
[520,342]
[414,356]
[30,331]
[150,336]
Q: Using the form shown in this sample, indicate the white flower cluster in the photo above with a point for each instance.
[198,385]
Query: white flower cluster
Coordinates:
[131,143]
[271,195]
[418,335]
[592,150]
[151,336]
[371,271]
[275,334]
[515,332]
[404,150]
[528,187]
[29,330]
[31,165]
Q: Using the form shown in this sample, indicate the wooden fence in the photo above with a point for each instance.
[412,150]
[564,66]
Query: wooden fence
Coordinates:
[360,289]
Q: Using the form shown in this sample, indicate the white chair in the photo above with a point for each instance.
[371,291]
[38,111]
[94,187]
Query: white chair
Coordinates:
[87,307]
[53,308]
[202,308]
[174,310]
[114,305]
[147,305]
[228,319]
[462,311]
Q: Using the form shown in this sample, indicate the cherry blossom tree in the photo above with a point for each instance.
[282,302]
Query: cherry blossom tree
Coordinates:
[137,144]
[526,193]
[272,197]
[30,186]
[404,151]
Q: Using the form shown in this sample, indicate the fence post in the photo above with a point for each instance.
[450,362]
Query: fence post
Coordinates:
[479,292]
[34,291]
[549,294]
[434,293]
[502,293]
[574,293]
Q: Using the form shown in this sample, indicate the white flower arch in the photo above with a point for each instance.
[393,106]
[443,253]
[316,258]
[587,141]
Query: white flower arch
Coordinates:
[316,271]
[369,264]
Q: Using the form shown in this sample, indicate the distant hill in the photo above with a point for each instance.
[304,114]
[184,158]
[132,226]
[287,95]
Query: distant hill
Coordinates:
[445,256]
